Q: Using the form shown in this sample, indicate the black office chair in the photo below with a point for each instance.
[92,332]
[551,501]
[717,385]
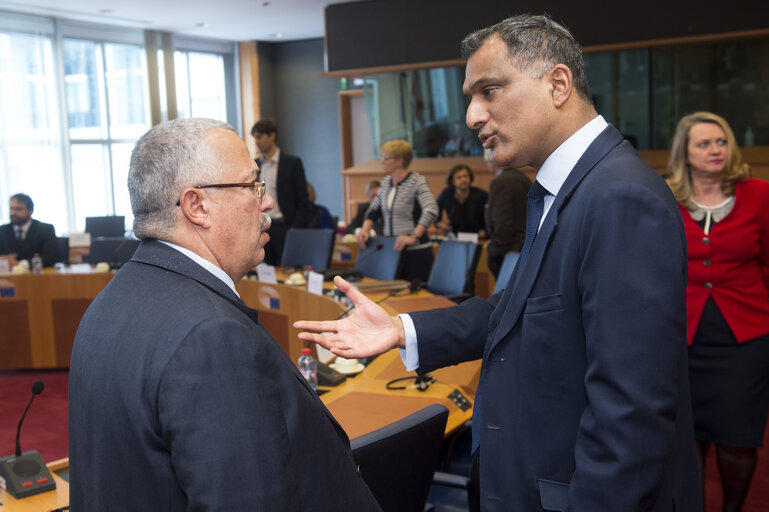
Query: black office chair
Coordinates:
[506,270]
[62,255]
[113,250]
[308,247]
[453,272]
[398,461]
[379,260]
[112,225]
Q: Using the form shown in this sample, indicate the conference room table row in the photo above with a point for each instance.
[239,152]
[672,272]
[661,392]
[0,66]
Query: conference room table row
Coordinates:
[39,315]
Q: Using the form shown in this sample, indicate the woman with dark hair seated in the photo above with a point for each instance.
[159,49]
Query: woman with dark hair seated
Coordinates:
[461,205]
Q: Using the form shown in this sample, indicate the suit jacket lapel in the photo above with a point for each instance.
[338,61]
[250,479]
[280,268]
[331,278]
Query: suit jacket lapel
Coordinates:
[511,305]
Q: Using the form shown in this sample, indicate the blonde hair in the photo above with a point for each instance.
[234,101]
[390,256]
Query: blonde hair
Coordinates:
[680,180]
[399,149]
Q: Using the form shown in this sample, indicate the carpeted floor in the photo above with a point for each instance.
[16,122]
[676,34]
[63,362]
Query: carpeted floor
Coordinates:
[45,430]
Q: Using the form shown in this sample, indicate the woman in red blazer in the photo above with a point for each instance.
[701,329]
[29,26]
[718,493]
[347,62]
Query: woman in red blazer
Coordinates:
[726,215]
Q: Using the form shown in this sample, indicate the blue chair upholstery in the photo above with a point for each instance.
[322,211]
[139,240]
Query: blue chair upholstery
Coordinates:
[308,248]
[506,270]
[398,461]
[378,262]
[453,272]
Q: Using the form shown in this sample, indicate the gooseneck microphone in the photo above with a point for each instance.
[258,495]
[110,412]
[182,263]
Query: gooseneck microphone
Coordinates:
[25,474]
[37,388]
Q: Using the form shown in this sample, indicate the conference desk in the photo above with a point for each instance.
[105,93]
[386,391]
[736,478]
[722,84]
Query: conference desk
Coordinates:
[361,404]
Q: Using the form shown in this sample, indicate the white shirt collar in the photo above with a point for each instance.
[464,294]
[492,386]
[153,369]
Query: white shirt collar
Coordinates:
[25,227]
[559,164]
[216,271]
[275,157]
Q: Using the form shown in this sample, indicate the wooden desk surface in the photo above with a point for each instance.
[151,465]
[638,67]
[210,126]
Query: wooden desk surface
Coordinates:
[363,403]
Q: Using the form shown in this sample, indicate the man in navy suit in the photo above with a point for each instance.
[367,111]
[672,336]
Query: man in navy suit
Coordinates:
[583,401]
[284,176]
[24,236]
[178,398]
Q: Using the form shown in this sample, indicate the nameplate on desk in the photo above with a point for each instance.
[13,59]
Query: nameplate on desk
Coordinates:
[266,273]
[315,283]
[268,297]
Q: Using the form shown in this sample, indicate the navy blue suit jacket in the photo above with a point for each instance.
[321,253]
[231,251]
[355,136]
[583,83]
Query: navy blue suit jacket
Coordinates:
[180,400]
[585,386]
[40,239]
[292,191]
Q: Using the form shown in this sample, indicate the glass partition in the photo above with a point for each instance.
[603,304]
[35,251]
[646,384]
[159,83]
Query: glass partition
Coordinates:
[643,92]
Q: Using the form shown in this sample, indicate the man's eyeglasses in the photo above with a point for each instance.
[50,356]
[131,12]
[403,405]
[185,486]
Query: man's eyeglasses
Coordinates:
[260,187]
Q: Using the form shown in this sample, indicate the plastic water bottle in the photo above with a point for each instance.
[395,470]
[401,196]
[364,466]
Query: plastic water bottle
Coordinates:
[309,368]
[37,264]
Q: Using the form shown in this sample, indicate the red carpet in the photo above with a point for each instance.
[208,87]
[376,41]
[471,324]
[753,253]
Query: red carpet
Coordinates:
[45,427]
[45,430]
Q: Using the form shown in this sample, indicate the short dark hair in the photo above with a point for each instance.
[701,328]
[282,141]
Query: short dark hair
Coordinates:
[456,169]
[265,126]
[372,184]
[535,43]
[24,198]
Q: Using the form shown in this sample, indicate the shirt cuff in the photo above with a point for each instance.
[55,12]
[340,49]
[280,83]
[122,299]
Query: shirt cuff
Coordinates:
[410,354]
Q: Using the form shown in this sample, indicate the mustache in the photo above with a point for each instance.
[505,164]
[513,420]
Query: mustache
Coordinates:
[266,222]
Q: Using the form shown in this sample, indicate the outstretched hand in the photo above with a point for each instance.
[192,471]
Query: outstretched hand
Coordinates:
[367,332]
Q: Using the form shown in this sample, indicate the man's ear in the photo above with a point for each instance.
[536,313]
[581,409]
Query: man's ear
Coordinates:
[194,207]
[563,85]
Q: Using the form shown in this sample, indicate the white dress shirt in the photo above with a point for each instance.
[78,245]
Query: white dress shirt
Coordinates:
[216,271]
[269,175]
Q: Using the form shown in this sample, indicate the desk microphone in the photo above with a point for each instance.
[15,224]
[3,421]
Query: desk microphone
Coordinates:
[25,475]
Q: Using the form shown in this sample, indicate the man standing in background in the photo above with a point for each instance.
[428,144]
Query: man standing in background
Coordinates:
[284,176]
[505,212]
[24,237]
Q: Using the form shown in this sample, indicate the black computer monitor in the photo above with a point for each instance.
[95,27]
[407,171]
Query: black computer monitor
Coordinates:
[113,225]
[113,250]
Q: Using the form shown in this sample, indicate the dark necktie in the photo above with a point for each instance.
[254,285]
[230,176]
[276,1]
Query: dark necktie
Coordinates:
[535,205]
[19,234]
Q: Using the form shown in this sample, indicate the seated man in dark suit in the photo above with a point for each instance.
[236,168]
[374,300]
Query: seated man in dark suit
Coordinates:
[24,236]
[372,189]
[179,399]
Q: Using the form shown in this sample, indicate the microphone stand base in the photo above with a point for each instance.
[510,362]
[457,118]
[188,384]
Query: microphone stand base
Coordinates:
[25,475]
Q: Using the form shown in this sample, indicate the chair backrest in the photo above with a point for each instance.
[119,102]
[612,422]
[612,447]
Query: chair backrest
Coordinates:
[506,270]
[113,225]
[308,247]
[453,271]
[113,250]
[62,244]
[379,260]
[397,461]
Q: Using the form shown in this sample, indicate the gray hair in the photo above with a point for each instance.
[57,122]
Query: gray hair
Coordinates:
[535,44]
[167,159]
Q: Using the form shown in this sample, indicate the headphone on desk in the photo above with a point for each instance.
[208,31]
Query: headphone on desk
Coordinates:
[421,382]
